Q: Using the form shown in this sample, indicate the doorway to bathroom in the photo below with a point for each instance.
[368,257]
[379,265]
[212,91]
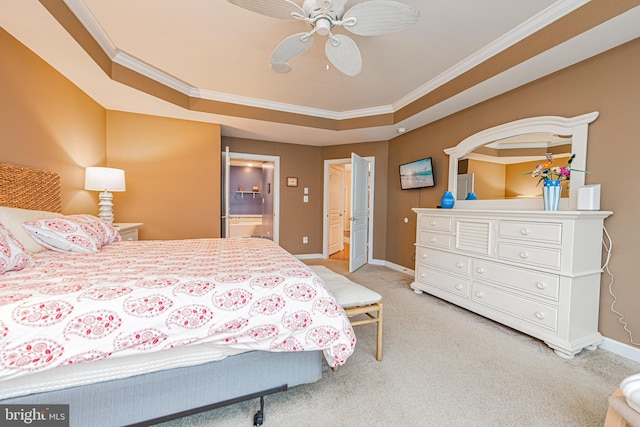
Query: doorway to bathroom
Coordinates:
[250,195]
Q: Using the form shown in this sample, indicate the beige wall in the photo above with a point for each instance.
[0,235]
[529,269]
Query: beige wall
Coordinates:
[173,174]
[48,123]
[172,166]
[489,179]
[607,83]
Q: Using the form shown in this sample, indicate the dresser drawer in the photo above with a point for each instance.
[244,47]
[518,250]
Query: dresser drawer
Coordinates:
[435,240]
[432,222]
[455,263]
[533,282]
[521,308]
[532,231]
[433,277]
[542,257]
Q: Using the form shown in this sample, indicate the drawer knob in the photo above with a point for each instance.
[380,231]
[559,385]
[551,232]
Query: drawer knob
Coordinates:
[423,256]
[459,264]
[459,287]
[432,239]
[541,285]
[479,294]
[540,315]
[432,222]
[524,231]
[422,275]
[480,270]
[524,255]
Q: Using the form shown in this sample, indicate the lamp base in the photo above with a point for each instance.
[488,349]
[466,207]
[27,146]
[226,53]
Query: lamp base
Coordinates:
[105,207]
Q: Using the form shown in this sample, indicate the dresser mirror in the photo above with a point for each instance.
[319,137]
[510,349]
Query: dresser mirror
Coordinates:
[491,162]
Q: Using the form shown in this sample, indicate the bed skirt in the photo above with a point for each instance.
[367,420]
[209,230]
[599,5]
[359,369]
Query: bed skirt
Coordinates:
[160,394]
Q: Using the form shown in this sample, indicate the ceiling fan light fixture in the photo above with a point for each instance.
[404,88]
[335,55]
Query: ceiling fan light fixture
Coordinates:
[323,26]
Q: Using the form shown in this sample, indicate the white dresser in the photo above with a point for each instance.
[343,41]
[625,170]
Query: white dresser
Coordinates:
[535,271]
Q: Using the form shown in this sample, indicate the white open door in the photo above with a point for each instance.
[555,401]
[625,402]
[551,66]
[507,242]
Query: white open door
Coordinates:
[359,212]
[226,171]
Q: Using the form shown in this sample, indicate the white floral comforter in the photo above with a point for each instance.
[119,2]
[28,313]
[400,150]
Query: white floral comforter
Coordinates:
[145,296]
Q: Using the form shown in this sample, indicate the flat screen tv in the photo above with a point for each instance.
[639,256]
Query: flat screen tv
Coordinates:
[417,174]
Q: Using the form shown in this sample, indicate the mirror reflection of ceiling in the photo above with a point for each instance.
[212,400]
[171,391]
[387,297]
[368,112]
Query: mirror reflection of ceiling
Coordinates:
[522,148]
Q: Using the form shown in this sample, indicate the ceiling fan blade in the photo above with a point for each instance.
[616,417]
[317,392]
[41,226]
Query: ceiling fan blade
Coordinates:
[291,47]
[378,17]
[281,9]
[344,54]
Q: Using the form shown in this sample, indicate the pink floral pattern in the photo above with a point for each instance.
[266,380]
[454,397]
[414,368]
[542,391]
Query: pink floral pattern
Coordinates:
[13,256]
[73,233]
[146,296]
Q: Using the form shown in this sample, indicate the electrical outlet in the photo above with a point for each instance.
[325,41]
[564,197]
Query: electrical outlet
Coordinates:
[305,239]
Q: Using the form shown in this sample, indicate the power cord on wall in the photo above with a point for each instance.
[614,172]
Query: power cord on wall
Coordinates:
[608,246]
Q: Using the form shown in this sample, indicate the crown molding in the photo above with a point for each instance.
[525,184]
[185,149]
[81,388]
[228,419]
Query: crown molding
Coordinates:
[526,29]
[544,18]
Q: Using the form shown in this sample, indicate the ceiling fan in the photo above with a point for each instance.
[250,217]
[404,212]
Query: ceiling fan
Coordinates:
[369,18]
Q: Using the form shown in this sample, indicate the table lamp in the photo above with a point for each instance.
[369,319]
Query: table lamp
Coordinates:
[104,180]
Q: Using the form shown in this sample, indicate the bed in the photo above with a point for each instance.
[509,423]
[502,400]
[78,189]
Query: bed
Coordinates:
[140,332]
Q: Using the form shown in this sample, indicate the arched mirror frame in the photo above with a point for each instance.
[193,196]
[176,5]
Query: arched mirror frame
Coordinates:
[575,127]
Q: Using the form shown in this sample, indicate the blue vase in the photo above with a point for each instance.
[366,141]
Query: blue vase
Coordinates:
[447,201]
[471,196]
[551,193]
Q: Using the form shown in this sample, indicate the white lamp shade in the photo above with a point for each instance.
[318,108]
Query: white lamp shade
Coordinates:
[104,179]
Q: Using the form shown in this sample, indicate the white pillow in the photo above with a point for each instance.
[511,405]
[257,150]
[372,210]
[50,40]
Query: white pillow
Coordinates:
[12,219]
[13,257]
[73,233]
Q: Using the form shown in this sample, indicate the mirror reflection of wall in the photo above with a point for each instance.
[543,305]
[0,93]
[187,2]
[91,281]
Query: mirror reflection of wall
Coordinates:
[498,167]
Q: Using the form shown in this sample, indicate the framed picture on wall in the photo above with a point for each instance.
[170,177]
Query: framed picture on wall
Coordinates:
[292,181]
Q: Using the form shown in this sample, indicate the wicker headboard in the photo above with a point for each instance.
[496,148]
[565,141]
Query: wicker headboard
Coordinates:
[28,188]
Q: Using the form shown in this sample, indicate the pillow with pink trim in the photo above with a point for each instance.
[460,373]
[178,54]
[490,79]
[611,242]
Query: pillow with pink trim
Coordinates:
[73,233]
[13,256]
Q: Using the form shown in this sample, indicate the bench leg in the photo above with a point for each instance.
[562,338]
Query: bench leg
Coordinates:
[379,340]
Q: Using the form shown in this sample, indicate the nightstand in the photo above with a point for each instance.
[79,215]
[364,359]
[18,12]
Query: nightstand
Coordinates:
[128,230]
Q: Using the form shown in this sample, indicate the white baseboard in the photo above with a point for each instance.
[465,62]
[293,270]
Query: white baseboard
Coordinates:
[393,266]
[308,256]
[622,349]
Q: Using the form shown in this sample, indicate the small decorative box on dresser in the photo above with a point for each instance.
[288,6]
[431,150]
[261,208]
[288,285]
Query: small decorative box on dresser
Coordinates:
[128,230]
[535,271]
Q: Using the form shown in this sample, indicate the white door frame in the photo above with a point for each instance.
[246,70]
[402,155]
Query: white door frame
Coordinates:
[275,189]
[333,169]
[325,205]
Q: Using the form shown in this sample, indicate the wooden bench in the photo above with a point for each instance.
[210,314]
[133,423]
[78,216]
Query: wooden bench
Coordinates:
[355,299]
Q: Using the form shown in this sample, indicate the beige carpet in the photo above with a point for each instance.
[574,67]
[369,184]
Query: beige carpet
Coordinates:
[442,366]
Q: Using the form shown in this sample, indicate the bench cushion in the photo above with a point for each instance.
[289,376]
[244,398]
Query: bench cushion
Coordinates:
[347,293]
